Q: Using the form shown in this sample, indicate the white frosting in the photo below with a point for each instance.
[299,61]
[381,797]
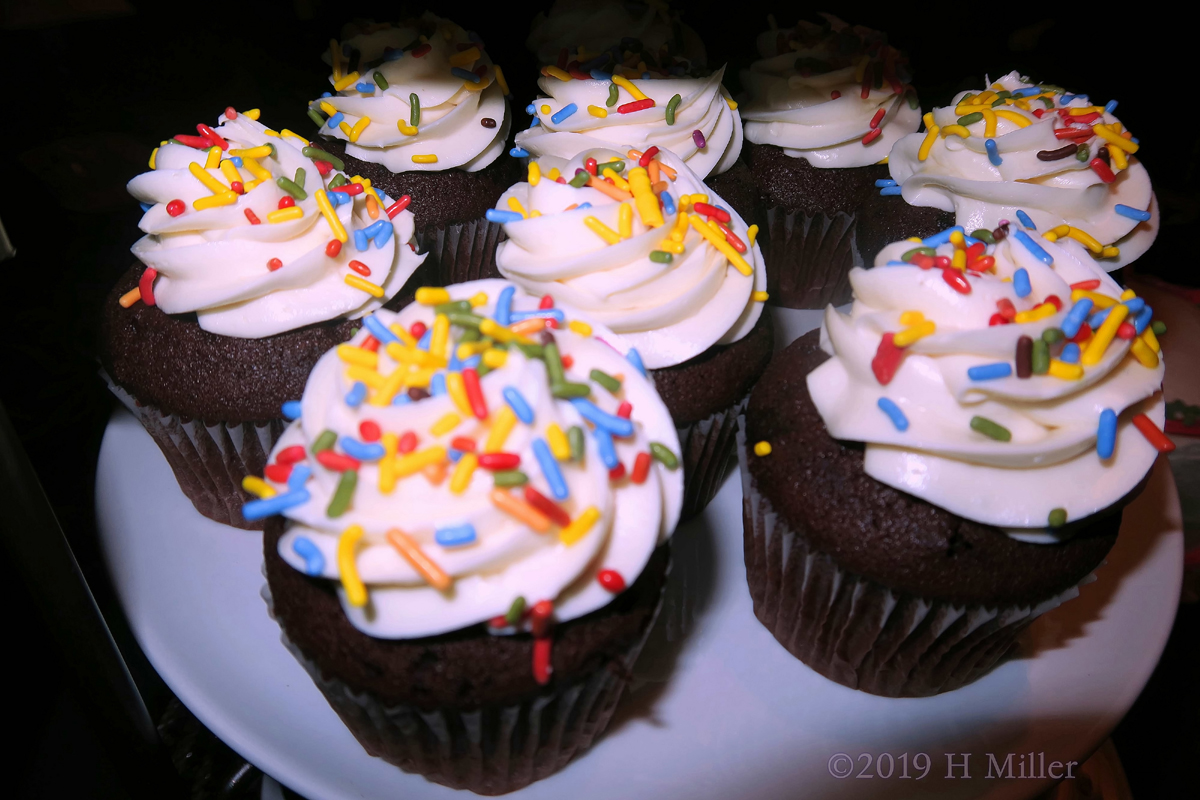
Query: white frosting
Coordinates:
[595,26]
[669,312]
[704,106]
[508,559]
[1051,460]
[214,261]
[452,109]
[958,176]
[796,109]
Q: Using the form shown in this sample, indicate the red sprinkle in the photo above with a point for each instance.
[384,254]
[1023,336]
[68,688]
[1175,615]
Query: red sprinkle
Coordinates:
[975,251]
[250,215]
[735,242]
[611,580]
[539,617]
[636,105]
[1087,286]
[360,268]
[369,431]
[983,264]
[370,343]
[198,142]
[887,360]
[286,201]
[146,285]
[872,136]
[875,120]
[333,248]
[407,443]
[475,393]
[997,319]
[498,623]
[942,262]
[577,75]
[647,156]
[866,83]
[398,206]
[625,409]
[290,455]
[175,208]
[238,187]
[1126,331]
[1072,133]
[1153,435]
[589,164]
[547,506]
[835,94]
[323,167]
[277,473]
[1086,118]
[351,189]
[464,444]
[641,468]
[417,329]
[274,264]
[421,50]
[546,302]
[212,136]
[617,472]
[230,113]
[568,360]
[1038,112]
[1103,170]
[712,211]
[542,668]
[498,461]
[958,282]
[337,461]
[1053,300]
[1007,309]
[1084,333]
[923,261]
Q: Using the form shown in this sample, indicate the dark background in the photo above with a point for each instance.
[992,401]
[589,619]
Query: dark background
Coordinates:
[89,99]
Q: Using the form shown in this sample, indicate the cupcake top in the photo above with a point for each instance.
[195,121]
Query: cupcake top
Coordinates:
[245,227]
[642,245]
[1007,383]
[477,453]
[1057,156]
[418,96]
[626,100]
[586,27]
[835,95]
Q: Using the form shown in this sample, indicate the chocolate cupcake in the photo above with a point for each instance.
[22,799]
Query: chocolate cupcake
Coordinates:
[685,290]
[922,479]
[1032,153]
[465,571]
[420,111]
[823,106]
[247,276]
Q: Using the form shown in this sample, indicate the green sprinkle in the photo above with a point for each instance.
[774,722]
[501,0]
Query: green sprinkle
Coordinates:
[661,257]
[316,117]
[464,320]
[613,94]
[673,104]
[414,114]
[991,429]
[565,390]
[317,154]
[1039,362]
[1082,153]
[1058,517]
[616,166]
[1004,94]
[605,380]
[380,81]
[532,350]
[968,119]
[482,369]
[554,365]
[341,496]
[515,611]
[325,441]
[576,441]
[289,186]
[1052,335]
[338,180]
[911,97]
[300,176]
[1159,327]
[509,477]
[984,235]
[354,332]
[664,455]
[922,251]
[1047,102]
[452,307]
[999,101]
[471,335]
[580,179]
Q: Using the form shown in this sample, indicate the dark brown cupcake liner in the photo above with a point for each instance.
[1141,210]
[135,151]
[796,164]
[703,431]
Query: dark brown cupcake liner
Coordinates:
[461,252]
[490,750]
[209,459]
[706,455]
[808,257]
[860,633]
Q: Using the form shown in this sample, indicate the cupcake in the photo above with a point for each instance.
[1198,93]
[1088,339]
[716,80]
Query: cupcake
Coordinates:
[246,275]
[419,109]
[823,106]
[1019,148]
[947,461]
[638,242]
[471,553]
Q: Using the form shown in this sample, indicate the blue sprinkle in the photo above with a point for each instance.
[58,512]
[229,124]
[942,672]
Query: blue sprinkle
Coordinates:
[454,365]
[365,88]
[993,153]
[1097,319]
[258,509]
[363,451]
[356,395]
[374,228]
[530,109]
[605,448]
[335,198]
[314,562]
[1110,106]
[941,238]
[890,191]
[1075,317]
[1020,282]
[1131,212]
[437,384]
[645,76]
[516,401]
[520,152]
[360,240]
[1135,305]
[600,75]
[582,206]
[1135,140]
[1024,219]
[423,342]
[457,536]
[1033,247]
[473,362]
[326,94]
[291,409]
[1143,319]
[555,314]
[564,113]
[898,264]
[392,54]
[237,161]
[879,184]
[385,233]
[146,206]
[453,455]
[988,372]
[1070,353]
[894,413]
[1066,98]
[668,203]
[504,305]
[300,474]
[970,240]
[401,399]
[550,470]
[465,74]
[1106,433]
[376,328]
[498,215]
[635,358]
[335,120]
[617,426]
[1027,91]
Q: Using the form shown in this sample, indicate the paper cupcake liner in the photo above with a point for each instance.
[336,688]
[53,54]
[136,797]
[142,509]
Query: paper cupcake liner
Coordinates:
[860,633]
[209,459]
[491,750]
[808,257]
[461,252]
[707,456]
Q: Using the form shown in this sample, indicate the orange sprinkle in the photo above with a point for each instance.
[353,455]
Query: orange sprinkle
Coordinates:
[422,563]
[608,189]
[521,510]
[372,207]
[528,326]
[130,297]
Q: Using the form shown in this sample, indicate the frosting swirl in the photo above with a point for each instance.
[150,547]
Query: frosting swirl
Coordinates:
[657,277]
[592,27]
[448,510]
[1022,446]
[245,264]
[805,94]
[1045,158]
[459,120]
[702,127]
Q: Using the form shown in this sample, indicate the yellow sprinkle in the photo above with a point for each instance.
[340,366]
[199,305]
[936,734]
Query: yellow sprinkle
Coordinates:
[1110,251]
[762,449]
[1143,353]
[957,130]
[1115,139]
[625,220]
[285,214]
[729,101]
[432,296]
[335,224]
[553,174]
[358,283]
[603,231]
[534,214]
[358,128]
[328,107]
[759,297]
[467,349]
[368,376]
[579,526]
[352,354]
[914,333]
[516,206]
[911,318]
[545,109]
[386,392]
[680,228]
[555,72]
[440,334]
[1019,119]
[460,479]
[286,133]
[597,111]
[580,327]
[259,488]
[406,129]
[210,183]
[627,86]
[230,171]
[1039,312]
[428,158]
[1098,300]
[557,440]
[253,114]
[255,168]
[356,593]
[1150,339]
[262,151]
[1050,236]
[1128,294]
[344,127]
[345,80]
[989,122]
[447,423]
[495,359]
[959,260]
[387,464]
[489,327]
[1064,371]
[213,159]
[419,377]
[465,57]
[503,422]
[1108,329]
[671,246]
[718,241]
[153,156]
[500,80]
[1079,112]
[458,392]
[1086,239]
[535,173]
[927,118]
[617,180]
[415,462]
[644,197]
[751,235]
[225,198]
[931,136]
[402,334]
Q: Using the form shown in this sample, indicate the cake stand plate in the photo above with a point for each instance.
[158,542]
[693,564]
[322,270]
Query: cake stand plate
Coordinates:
[717,709]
